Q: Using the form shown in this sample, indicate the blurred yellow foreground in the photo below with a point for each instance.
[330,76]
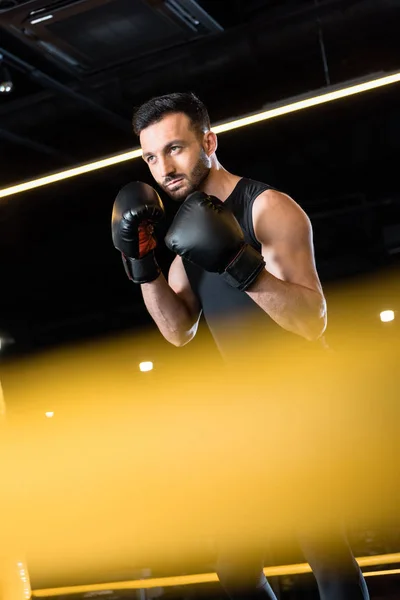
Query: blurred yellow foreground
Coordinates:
[134,467]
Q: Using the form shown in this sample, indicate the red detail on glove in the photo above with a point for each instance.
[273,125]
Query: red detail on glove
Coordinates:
[147,243]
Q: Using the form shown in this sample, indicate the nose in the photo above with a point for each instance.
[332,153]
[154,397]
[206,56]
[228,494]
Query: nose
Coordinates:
[166,167]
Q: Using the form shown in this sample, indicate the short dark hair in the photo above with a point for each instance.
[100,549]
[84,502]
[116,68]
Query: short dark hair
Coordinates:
[157,108]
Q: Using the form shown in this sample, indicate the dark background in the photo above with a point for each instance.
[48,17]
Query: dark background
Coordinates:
[61,279]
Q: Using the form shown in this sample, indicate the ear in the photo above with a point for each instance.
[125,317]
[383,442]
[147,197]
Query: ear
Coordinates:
[210,142]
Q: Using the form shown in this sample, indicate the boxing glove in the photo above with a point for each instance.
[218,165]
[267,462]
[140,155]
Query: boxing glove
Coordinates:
[137,208]
[206,233]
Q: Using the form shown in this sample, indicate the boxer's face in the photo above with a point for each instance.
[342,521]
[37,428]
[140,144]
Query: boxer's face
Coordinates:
[179,160]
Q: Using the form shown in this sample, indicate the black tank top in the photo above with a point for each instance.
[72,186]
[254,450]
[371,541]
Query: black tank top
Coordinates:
[231,315]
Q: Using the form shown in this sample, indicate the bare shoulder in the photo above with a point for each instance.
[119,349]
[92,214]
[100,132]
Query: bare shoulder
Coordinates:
[285,234]
[276,213]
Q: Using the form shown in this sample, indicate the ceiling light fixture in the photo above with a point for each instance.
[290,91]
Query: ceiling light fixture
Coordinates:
[40,19]
[6,83]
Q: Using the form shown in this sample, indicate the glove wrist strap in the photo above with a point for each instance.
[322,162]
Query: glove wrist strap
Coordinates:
[244,268]
[141,270]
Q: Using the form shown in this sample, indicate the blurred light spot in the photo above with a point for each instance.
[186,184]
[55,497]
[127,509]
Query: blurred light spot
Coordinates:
[6,88]
[50,414]
[146,366]
[387,315]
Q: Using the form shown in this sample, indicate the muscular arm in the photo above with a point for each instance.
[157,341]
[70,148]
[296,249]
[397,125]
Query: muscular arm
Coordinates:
[173,305]
[289,289]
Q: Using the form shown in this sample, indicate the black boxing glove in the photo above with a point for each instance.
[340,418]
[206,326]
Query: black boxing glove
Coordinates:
[207,233]
[137,208]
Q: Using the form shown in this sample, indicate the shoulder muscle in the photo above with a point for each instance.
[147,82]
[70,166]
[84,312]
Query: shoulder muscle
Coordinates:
[285,233]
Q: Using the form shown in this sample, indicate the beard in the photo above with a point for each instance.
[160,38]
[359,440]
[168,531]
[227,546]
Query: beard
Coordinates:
[190,183]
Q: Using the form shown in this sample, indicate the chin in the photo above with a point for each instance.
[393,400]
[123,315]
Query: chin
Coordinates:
[180,195]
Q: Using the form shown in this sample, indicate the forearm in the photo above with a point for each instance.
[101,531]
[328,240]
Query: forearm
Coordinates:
[295,308]
[169,312]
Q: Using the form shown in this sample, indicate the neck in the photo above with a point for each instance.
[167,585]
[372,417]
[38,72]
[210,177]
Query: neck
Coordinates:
[220,182]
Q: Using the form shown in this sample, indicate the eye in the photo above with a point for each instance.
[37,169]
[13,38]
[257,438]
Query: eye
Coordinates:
[150,159]
[174,149]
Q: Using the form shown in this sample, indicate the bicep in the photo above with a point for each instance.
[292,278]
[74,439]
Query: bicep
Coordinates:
[292,264]
[179,283]
[286,237]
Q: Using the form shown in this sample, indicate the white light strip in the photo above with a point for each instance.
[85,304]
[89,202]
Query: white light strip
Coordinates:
[322,98]
[88,168]
[385,572]
[40,19]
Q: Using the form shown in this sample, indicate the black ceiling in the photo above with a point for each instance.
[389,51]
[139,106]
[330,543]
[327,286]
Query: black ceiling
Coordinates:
[78,74]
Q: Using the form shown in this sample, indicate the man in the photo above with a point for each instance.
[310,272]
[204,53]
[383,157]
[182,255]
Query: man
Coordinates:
[243,249]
